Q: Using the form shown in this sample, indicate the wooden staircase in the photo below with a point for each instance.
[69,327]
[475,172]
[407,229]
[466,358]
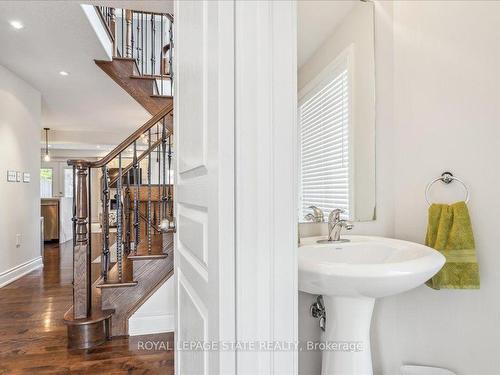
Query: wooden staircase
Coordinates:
[144,273]
[144,201]
[143,88]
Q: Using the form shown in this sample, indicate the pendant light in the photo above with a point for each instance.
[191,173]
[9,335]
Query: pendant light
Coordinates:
[46,156]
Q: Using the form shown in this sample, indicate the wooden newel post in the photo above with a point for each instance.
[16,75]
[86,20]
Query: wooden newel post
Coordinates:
[112,26]
[128,33]
[81,252]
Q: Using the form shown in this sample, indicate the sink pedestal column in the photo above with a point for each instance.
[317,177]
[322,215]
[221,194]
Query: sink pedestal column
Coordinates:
[348,322]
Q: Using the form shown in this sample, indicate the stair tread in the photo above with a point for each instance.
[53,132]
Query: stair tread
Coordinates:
[147,256]
[162,96]
[123,58]
[149,77]
[117,284]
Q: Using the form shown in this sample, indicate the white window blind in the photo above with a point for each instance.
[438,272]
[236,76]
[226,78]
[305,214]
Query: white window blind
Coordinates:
[324,142]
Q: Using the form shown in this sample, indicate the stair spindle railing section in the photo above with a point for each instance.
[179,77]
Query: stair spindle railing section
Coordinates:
[146,37]
[131,215]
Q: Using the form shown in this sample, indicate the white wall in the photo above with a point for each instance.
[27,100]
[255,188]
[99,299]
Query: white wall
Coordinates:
[20,108]
[446,115]
[156,314]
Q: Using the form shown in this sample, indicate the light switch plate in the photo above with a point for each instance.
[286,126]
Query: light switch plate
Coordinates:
[11,176]
[19,176]
[26,177]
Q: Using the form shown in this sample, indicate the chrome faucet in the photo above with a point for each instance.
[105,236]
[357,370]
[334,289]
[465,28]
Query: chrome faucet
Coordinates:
[335,225]
[317,215]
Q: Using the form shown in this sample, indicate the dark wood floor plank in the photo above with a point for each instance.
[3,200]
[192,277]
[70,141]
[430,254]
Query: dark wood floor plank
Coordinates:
[33,336]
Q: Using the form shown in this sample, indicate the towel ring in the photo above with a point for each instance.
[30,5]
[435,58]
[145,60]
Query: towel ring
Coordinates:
[446,177]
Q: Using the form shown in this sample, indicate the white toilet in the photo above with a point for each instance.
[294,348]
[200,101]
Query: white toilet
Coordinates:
[424,370]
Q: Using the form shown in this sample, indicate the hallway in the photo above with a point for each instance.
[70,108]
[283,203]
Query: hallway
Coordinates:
[33,336]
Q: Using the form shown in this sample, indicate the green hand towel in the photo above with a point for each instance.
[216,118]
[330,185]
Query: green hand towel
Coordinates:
[450,232]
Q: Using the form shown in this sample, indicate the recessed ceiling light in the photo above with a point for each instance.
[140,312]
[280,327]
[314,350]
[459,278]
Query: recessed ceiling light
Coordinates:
[63,73]
[16,25]
[98,146]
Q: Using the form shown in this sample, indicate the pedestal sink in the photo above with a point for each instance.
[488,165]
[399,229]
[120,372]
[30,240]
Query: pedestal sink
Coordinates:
[350,276]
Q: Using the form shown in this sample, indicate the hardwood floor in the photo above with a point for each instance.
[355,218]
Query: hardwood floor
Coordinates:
[33,336]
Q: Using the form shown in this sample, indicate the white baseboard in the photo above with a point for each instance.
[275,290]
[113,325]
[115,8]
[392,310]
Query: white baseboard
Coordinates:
[146,325]
[16,272]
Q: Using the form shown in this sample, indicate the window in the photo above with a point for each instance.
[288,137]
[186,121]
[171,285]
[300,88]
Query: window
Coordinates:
[324,122]
[68,182]
[46,182]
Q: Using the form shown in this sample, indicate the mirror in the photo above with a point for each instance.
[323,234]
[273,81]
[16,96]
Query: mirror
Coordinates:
[336,108]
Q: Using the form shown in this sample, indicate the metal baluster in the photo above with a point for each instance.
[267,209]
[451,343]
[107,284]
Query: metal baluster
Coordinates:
[105,223]
[164,151]
[158,159]
[127,214]
[74,206]
[169,191]
[89,248]
[142,44]
[130,33]
[170,56]
[153,39]
[137,225]
[161,54]
[145,19]
[137,40]
[119,219]
[149,194]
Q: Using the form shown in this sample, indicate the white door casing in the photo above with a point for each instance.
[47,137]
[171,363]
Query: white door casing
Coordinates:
[266,185]
[204,185]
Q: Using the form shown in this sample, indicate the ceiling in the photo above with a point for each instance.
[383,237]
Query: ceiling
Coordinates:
[58,36]
[317,19]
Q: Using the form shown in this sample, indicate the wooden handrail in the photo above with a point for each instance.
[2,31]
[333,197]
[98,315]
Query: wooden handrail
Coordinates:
[168,15]
[107,20]
[127,142]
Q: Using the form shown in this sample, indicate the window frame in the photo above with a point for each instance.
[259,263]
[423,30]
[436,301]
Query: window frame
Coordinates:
[51,184]
[344,58]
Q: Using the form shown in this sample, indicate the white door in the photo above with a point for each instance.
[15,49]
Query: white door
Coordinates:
[204,190]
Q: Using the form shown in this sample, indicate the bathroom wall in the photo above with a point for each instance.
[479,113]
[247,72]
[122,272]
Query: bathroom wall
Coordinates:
[20,112]
[446,116]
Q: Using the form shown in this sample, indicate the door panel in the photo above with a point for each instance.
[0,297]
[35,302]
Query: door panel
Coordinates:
[204,203]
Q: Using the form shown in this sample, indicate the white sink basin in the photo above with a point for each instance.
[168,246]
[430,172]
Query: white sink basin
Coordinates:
[365,267]
[350,276]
